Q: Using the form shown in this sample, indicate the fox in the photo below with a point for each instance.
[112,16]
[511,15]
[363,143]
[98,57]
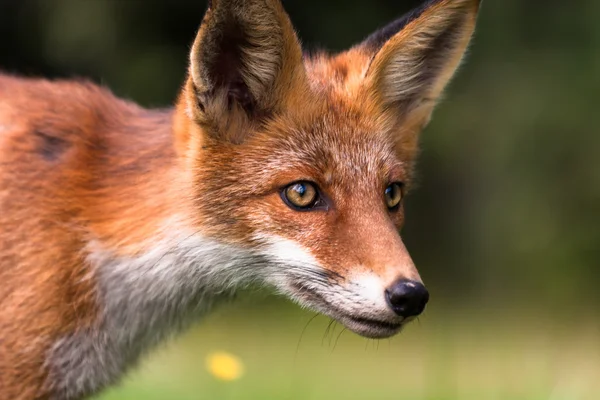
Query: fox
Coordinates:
[121,226]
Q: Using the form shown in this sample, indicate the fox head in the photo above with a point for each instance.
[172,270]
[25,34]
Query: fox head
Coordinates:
[305,160]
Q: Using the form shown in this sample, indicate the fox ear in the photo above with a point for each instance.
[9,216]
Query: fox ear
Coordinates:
[416,56]
[244,63]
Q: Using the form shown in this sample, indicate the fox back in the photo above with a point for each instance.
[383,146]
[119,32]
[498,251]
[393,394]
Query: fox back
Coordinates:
[120,226]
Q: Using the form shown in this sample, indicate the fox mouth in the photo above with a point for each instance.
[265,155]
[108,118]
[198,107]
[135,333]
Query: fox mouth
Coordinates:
[370,328]
[376,323]
[367,327]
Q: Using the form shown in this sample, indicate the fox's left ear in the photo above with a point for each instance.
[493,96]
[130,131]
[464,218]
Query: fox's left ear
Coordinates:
[415,57]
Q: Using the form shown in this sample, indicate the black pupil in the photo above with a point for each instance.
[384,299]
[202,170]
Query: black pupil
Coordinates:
[391,192]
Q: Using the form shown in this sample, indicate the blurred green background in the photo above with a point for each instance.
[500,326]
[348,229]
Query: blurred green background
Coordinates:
[504,226]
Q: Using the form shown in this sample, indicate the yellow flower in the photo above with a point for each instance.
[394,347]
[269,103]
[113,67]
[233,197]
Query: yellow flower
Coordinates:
[224,366]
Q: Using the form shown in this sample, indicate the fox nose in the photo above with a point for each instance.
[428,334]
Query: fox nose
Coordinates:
[407,298]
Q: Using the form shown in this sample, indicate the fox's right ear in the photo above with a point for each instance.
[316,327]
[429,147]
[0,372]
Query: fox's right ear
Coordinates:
[245,63]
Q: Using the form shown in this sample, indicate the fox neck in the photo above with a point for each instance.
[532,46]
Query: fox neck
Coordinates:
[144,300]
[152,279]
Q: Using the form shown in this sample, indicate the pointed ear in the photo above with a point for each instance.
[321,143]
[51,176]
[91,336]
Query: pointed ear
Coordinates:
[416,56]
[244,64]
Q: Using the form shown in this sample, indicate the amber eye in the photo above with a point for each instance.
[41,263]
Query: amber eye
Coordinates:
[301,195]
[393,195]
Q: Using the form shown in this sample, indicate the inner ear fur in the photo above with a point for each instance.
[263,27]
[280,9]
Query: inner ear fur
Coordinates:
[245,64]
[415,57]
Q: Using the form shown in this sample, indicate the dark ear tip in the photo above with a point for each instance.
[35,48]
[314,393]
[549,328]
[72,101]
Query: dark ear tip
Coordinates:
[382,35]
[378,38]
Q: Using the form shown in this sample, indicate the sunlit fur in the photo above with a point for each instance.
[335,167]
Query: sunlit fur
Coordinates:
[120,226]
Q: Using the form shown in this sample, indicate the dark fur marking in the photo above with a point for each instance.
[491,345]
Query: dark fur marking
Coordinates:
[225,68]
[50,147]
[377,39]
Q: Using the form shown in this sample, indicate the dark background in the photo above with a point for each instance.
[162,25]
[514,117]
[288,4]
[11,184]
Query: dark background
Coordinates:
[506,218]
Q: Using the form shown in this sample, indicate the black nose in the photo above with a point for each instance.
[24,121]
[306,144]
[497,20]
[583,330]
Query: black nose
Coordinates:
[407,298]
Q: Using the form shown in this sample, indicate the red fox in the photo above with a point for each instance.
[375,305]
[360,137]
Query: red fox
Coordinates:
[120,226]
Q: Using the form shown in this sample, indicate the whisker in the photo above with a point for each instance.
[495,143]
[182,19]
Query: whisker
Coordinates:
[302,335]
[326,331]
[338,338]
[332,332]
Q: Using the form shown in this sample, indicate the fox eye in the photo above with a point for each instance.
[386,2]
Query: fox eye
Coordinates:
[301,196]
[393,195]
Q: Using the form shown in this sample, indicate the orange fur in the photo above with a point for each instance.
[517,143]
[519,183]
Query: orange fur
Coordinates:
[78,165]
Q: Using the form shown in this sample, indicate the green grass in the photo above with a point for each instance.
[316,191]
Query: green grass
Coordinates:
[458,356]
